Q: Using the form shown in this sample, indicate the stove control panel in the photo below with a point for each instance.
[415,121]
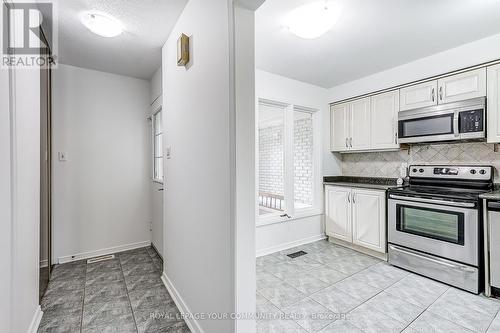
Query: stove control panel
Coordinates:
[479,172]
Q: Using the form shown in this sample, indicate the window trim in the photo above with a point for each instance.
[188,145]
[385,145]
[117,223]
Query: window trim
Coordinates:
[316,208]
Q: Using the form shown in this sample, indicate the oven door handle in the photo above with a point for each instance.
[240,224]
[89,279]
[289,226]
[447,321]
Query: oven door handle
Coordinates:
[422,256]
[433,201]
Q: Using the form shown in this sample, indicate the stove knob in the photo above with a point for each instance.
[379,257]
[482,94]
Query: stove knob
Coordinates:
[421,170]
[472,171]
[414,170]
[482,171]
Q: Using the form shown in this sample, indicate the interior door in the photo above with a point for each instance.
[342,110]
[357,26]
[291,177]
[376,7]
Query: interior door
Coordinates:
[462,86]
[360,124]
[418,96]
[384,120]
[338,212]
[368,219]
[339,127]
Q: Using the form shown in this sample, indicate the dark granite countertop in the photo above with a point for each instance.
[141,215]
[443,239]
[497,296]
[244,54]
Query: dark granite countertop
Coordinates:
[362,182]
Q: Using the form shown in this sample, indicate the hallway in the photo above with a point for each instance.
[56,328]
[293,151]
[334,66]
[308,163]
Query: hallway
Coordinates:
[124,294]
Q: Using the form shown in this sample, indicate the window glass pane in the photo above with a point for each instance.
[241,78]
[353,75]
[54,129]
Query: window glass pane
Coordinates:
[433,224]
[303,159]
[159,145]
[158,122]
[271,159]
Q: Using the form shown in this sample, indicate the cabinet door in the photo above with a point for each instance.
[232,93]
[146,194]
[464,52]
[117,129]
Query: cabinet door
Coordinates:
[360,124]
[368,219]
[384,124]
[462,86]
[339,127]
[418,96]
[493,108]
[338,212]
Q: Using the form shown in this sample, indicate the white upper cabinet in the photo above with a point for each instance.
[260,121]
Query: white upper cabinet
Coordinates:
[340,120]
[493,108]
[360,124]
[350,127]
[462,86]
[384,120]
[453,88]
[418,96]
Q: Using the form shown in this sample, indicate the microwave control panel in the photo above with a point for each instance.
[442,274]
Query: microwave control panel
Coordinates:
[471,121]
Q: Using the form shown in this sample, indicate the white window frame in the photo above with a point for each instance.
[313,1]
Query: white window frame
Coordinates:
[153,138]
[288,176]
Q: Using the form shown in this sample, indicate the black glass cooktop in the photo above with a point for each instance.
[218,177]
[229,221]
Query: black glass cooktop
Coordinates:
[439,192]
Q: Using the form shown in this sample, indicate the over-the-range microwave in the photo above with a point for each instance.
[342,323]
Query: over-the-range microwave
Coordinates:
[464,120]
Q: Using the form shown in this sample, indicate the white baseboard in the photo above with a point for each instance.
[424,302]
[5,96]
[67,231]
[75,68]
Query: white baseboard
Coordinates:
[102,252]
[35,322]
[192,323]
[284,246]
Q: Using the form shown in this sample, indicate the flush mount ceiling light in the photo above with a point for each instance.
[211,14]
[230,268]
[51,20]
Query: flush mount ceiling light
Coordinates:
[313,19]
[102,24]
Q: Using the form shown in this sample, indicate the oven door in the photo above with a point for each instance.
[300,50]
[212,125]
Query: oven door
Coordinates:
[428,127]
[442,228]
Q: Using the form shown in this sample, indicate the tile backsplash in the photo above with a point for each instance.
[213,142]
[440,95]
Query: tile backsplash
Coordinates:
[387,164]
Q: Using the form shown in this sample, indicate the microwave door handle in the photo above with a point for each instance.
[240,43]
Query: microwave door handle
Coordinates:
[456,130]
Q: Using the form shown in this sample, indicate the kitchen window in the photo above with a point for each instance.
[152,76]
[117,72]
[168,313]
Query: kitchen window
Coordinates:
[157,147]
[288,162]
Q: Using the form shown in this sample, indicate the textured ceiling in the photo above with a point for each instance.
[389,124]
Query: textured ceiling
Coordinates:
[136,53]
[371,36]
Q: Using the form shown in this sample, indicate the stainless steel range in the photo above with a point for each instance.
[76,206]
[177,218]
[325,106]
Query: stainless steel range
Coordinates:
[434,223]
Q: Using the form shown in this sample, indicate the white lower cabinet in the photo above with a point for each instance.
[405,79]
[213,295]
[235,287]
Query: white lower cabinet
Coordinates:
[338,213]
[356,216]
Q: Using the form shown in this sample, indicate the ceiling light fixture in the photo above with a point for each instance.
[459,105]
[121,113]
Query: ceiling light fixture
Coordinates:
[313,20]
[102,24]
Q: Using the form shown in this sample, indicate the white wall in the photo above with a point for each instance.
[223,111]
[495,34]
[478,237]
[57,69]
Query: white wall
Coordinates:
[156,85]
[474,53]
[101,194]
[274,237]
[246,193]
[5,204]
[200,194]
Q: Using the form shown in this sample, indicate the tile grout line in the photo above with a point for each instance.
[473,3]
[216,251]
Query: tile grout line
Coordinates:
[384,289]
[128,296]
[83,297]
[494,317]
[427,308]
[319,290]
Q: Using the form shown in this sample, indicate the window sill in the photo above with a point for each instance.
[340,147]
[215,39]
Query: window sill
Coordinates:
[261,222]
